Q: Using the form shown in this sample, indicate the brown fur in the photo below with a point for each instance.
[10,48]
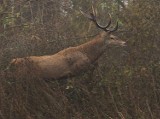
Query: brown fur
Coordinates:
[68,62]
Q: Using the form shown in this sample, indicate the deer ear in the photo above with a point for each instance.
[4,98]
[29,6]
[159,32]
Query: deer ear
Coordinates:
[112,37]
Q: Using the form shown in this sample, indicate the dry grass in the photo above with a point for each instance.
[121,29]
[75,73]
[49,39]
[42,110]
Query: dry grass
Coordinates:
[26,96]
[124,86]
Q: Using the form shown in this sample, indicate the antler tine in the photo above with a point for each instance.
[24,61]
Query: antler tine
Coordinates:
[100,26]
[114,29]
[86,15]
[92,17]
[93,11]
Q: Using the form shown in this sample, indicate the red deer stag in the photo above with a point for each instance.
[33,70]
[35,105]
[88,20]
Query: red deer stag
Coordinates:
[73,60]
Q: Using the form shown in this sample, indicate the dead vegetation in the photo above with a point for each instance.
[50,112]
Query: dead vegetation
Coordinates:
[125,85]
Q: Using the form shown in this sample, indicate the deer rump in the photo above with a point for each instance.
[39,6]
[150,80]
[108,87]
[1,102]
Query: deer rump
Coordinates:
[66,63]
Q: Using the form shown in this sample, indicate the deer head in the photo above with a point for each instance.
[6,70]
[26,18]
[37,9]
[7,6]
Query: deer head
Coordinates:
[111,39]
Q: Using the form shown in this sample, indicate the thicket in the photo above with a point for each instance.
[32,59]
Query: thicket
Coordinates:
[125,85]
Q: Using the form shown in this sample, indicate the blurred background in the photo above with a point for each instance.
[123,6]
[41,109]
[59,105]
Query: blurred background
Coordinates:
[125,85]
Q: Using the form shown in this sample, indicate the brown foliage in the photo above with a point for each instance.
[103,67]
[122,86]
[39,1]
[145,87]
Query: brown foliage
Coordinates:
[123,86]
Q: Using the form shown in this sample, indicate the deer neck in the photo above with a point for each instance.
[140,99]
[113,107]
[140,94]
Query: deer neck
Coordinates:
[94,48]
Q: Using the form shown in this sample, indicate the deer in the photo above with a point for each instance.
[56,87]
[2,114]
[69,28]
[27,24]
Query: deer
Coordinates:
[74,60]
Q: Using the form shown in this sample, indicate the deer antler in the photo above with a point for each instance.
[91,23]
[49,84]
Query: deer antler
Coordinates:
[92,17]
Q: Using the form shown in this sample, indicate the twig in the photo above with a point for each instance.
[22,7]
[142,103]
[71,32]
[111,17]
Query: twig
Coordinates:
[1,115]
[149,109]
[115,106]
